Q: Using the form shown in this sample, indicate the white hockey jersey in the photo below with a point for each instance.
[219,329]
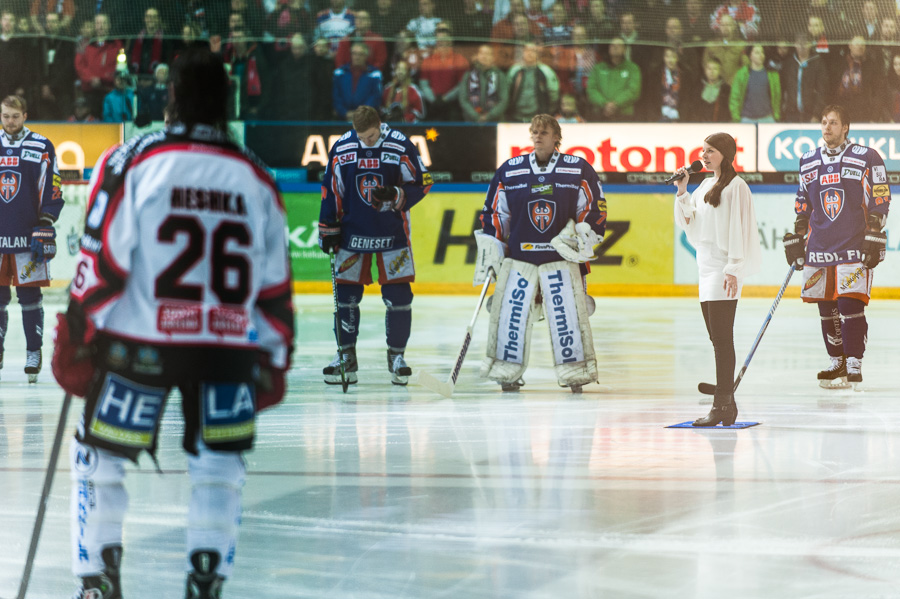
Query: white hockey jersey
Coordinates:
[185,244]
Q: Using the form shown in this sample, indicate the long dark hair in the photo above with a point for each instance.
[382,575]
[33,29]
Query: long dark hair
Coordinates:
[726,145]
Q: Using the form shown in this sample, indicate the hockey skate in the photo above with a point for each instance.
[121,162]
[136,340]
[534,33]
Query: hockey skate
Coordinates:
[106,585]
[835,376]
[33,364]
[513,386]
[203,582]
[400,372]
[854,372]
[332,372]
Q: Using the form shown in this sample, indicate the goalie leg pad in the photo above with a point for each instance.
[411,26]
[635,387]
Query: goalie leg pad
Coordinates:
[565,307]
[512,315]
[98,505]
[217,478]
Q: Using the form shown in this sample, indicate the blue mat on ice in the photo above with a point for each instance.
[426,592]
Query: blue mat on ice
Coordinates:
[688,424]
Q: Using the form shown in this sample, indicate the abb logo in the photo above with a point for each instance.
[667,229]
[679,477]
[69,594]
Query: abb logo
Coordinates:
[369,163]
[829,179]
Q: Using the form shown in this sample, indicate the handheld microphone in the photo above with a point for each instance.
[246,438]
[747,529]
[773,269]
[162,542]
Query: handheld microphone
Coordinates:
[695,167]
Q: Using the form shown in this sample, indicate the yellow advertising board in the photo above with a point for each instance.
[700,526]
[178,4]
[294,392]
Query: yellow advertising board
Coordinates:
[79,145]
[637,249]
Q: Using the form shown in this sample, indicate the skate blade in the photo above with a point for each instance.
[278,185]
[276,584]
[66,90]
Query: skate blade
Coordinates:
[32,378]
[856,385]
[400,380]
[838,383]
[332,379]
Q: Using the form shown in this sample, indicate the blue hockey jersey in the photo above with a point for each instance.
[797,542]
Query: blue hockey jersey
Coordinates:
[354,171]
[29,188]
[528,205]
[836,193]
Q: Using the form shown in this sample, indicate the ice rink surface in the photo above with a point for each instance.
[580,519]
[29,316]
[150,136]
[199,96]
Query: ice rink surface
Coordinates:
[390,492]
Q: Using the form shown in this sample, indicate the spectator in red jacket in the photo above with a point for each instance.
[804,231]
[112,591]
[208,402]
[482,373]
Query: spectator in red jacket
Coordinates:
[149,49]
[96,66]
[363,33]
[401,99]
[440,75]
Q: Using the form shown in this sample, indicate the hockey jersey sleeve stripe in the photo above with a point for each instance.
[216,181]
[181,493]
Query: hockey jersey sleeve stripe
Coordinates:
[495,207]
[275,304]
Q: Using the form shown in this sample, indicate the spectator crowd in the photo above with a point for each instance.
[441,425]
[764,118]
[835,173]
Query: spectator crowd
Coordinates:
[463,60]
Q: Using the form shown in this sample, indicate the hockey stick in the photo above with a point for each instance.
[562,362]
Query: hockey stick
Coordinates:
[446,388]
[337,321]
[45,495]
[710,389]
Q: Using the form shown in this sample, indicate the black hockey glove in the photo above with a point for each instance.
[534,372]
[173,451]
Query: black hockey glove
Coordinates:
[329,237]
[385,199]
[873,247]
[794,249]
[43,241]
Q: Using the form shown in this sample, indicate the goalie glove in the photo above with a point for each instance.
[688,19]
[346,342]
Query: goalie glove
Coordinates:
[491,252]
[575,243]
[385,199]
[43,241]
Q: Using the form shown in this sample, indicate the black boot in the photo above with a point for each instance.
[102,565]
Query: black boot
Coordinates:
[203,582]
[724,410]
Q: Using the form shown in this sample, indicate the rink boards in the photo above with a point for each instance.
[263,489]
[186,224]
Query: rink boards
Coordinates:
[644,252]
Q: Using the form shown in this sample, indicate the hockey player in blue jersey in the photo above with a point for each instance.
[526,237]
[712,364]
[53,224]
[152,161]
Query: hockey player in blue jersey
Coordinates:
[31,203]
[542,217]
[842,206]
[373,177]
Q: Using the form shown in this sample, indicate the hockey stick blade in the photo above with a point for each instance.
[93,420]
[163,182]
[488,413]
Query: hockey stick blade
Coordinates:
[45,495]
[706,388]
[446,388]
[429,382]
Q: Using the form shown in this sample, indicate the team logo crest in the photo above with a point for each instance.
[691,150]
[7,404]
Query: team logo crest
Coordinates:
[365,184]
[542,213]
[832,202]
[9,185]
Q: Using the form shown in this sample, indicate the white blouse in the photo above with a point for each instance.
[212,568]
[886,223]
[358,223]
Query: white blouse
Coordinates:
[730,227]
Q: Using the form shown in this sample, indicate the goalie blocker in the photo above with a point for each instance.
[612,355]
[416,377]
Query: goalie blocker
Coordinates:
[566,312]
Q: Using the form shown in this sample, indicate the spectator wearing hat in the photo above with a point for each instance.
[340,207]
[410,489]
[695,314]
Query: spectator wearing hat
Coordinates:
[82,112]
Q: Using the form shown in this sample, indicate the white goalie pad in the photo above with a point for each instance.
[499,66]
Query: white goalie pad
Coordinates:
[566,311]
[512,315]
[491,252]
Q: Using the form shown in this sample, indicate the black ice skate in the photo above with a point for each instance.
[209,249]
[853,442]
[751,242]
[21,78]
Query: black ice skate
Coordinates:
[854,372]
[400,372]
[835,376]
[33,364]
[203,582]
[332,372]
[106,585]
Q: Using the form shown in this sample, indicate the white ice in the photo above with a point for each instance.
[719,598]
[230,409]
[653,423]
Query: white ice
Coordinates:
[391,492]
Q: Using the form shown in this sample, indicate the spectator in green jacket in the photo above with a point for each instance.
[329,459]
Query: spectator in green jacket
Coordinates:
[614,86]
[756,91]
[483,91]
[533,86]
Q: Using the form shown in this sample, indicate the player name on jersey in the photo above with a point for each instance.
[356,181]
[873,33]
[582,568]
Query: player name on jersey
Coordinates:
[209,200]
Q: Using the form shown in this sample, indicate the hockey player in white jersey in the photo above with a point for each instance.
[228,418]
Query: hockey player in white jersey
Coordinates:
[183,281]
[543,216]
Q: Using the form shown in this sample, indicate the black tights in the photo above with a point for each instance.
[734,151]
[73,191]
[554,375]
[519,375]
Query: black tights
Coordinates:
[719,318]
